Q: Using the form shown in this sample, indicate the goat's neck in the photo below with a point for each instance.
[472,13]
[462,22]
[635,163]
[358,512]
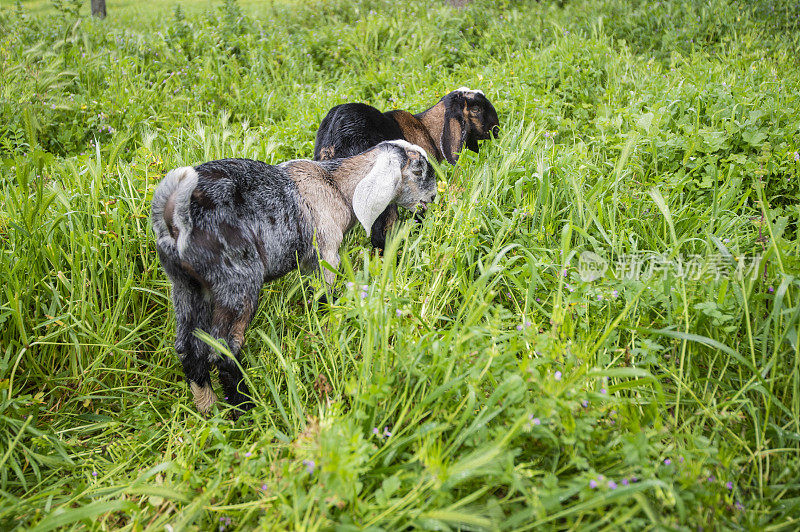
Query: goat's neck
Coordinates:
[433,120]
[346,175]
[349,173]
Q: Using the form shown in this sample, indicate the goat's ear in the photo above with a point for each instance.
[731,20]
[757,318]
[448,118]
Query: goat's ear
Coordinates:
[377,190]
[454,130]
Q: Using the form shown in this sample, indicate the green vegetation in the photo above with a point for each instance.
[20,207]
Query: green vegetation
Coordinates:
[470,378]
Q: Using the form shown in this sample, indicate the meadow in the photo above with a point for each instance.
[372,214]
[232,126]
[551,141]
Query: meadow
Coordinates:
[474,376]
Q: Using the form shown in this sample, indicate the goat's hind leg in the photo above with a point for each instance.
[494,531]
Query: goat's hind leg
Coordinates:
[193,311]
[235,302]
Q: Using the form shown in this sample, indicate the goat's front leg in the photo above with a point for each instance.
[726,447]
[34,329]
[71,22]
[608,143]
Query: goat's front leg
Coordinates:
[382,227]
[329,251]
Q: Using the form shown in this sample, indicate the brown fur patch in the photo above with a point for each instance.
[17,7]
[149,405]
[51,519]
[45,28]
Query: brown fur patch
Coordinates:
[231,324]
[326,153]
[240,324]
[302,169]
[327,200]
[433,120]
[417,132]
[452,144]
[323,194]
[222,319]
[193,274]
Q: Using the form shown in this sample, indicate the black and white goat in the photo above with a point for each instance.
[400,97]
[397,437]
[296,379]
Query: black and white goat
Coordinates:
[461,118]
[223,228]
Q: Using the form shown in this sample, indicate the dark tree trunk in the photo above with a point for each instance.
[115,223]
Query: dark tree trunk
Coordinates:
[99,8]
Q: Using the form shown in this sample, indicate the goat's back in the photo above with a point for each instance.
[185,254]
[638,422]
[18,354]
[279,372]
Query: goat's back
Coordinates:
[352,128]
[242,215]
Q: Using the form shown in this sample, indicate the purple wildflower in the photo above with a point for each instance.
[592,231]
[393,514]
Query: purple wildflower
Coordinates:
[376,431]
[398,312]
[94,474]
[771,289]
[796,156]
[593,483]
[585,403]
[557,375]
[612,485]
[729,485]
[739,506]
[263,487]
[519,327]
[248,454]
[536,421]
[310,465]
[667,461]
[624,482]
[386,432]
[603,391]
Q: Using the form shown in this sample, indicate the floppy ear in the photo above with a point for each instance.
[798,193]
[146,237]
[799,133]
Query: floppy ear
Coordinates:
[454,131]
[377,190]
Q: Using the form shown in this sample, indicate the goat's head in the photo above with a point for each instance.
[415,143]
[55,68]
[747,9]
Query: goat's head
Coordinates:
[402,174]
[469,117]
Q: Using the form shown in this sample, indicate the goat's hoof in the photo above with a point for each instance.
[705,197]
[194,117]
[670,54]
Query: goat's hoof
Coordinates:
[204,397]
[240,404]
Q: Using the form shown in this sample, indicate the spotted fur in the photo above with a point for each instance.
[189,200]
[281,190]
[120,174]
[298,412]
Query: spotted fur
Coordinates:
[225,227]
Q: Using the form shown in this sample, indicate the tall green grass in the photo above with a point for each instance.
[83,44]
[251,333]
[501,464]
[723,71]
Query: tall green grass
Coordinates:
[469,378]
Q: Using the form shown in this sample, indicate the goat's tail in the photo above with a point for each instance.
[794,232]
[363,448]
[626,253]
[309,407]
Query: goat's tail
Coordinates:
[170,206]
